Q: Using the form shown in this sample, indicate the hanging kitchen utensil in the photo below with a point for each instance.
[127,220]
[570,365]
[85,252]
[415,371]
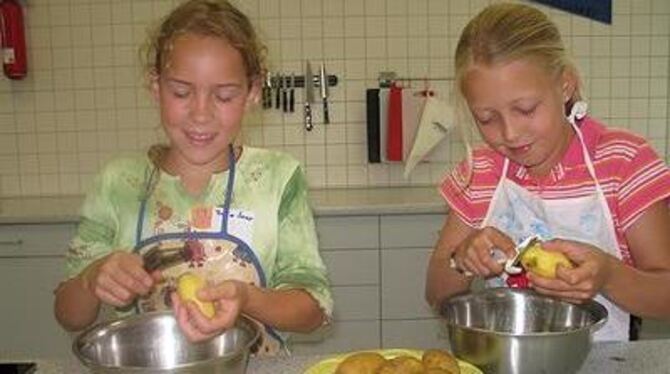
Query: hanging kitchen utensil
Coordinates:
[291,95]
[284,93]
[323,81]
[278,80]
[436,120]
[309,96]
[267,91]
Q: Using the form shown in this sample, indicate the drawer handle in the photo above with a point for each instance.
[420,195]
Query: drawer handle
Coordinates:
[11,242]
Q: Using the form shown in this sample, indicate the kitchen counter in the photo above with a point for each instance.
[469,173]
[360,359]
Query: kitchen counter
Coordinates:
[325,202]
[645,356]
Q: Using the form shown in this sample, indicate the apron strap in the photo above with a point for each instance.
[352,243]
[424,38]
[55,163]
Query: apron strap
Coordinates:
[149,186]
[143,205]
[229,187]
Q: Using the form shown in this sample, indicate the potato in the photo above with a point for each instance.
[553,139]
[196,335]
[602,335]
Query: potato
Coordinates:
[438,371]
[402,365]
[437,359]
[361,363]
[542,262]
[188,285]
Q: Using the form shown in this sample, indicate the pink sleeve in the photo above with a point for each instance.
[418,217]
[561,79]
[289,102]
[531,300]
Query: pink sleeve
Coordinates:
[645,180]
[467,192]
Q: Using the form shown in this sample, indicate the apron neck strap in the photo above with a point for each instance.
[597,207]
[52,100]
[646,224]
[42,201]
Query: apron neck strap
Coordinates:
[148,186]
[148,189]
[230,185]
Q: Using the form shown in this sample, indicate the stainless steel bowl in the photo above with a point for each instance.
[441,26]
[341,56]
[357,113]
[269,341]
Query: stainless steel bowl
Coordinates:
[153,343]
[505,330]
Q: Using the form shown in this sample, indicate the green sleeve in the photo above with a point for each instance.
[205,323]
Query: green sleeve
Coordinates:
[299,264]
[97,227]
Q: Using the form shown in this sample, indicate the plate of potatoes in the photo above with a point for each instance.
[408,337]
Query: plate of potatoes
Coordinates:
[394,361]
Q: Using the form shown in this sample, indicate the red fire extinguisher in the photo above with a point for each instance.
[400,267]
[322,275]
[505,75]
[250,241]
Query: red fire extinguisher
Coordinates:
[13,40]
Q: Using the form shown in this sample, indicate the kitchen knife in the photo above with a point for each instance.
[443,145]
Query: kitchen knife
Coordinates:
[323,80]
[291,95]
[309,96]
[284,93]
[278,80]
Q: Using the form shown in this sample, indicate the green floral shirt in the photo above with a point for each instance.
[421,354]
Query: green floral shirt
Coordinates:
[270,194]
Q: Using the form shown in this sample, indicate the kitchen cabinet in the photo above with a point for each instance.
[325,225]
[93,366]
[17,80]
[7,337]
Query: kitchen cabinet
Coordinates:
[31,266]
[377,267]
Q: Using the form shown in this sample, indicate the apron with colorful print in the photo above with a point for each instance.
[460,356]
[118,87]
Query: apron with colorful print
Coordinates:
[205,246]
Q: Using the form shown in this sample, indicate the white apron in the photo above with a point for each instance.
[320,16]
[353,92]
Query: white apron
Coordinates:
[520,213]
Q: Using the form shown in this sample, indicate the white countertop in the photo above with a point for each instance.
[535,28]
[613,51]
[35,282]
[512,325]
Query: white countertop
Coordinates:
[325,202]
[645,356]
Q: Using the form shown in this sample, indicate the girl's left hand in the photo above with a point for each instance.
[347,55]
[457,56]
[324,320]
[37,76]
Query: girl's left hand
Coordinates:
[229,298]
[593,267]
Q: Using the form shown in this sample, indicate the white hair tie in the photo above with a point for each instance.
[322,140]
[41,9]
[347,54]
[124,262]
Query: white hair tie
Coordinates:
[578,111]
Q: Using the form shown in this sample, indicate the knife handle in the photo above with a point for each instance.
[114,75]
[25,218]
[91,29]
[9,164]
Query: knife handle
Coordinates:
[291,100]
[326,116]
[284,100]
[308,117]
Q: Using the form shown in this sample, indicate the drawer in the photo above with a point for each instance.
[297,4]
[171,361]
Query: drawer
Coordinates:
[414,334]
[348,232]
[356,303]
[403,283]
[28,324]
[35,240]
[340,337]
[352,267]
[411,230]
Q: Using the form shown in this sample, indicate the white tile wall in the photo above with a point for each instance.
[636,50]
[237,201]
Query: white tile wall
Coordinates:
[83,101]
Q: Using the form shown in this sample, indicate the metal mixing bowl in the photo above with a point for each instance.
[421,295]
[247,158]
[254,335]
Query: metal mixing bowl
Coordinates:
[153,343]
[506,330]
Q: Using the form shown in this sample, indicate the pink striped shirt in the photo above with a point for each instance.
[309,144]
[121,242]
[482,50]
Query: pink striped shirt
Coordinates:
[630,172]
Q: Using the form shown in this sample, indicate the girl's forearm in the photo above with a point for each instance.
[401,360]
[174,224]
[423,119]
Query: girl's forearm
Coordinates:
[640,292]
[75,307]
[287,310]
[442,281]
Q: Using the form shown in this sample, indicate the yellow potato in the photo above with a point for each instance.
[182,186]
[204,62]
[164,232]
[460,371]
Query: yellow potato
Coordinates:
[402,365]
[442,360]
[188,285]
[542,262]
[361,363]
[439,371]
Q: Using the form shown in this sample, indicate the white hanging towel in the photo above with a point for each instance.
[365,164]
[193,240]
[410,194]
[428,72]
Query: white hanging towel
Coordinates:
[436,120]
[412,107]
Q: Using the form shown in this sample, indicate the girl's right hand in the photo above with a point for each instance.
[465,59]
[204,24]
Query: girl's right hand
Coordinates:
[474,254]
[118,278]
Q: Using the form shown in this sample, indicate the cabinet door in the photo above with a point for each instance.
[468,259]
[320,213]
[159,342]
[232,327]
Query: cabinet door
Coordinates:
[415,334]
[348,268]
[348,232]
[410,230]
[35,240]
[28,326]
[403,283]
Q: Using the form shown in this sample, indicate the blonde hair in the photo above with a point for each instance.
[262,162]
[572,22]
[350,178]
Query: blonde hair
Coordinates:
[212,18]
[505,32]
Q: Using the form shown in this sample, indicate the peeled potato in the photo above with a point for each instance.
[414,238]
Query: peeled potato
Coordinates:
[437,359]
[361,363]
[542,262]
[188,285]
[402,365]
